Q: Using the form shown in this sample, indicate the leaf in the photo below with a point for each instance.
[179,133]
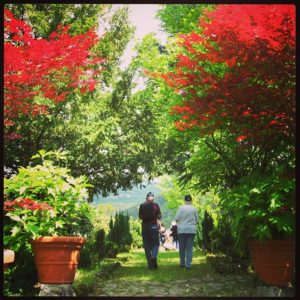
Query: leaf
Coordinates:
[22,190]
[255,191]
[59,224]
[15,230]
[32,228]
[15,218]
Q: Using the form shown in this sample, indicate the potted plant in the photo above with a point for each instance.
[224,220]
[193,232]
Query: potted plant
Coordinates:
[46,210]
[262,210]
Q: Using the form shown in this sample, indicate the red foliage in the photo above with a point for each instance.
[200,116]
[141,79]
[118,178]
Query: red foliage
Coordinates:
[256,96]
[25,203]
[51,68]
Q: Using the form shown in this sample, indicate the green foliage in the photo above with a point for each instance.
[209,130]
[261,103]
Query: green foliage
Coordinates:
[207,227]
[106,154]
[113,43]
[261,207]
[87,253]
[46,183]
[119,233]
[100,240]
[136,233]
[111,249]
[46,17]
[181,18]
[21,276]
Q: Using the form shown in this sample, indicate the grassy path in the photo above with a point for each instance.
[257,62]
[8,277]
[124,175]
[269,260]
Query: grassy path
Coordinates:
[134,279]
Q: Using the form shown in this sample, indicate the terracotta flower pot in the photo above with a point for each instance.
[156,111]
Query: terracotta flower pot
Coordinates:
[56,258]
[8,257]
[273,260]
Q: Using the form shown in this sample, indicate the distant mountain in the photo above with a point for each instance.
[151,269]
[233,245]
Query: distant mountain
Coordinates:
[134,196]
[129,202]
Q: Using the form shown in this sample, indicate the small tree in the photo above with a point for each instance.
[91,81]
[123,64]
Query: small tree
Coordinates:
[207,227]
[120,232]
[100,243]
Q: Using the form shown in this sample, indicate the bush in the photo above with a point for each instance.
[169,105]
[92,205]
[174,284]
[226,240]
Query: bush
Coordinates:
[21,276]
[221,238]
[100,243]
[111,249]
[207,227]
[136,233]
[261,207]
[87,253]
[42,200]
[119,232]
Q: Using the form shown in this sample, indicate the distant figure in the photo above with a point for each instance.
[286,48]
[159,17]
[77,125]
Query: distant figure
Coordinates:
[174,234]
[162,233]
[187,219]
[149,212]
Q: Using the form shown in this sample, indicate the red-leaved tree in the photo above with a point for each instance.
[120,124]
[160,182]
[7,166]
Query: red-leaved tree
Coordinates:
[239,74]
[40,68]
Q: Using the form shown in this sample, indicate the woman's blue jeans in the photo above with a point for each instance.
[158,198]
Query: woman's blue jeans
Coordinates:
[186,242]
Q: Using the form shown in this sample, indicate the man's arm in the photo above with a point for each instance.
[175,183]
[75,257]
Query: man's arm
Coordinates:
[140,212]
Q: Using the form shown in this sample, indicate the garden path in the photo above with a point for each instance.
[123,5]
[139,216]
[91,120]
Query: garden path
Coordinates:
[134,279]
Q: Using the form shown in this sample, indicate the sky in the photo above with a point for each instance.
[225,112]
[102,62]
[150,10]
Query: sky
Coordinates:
[142,16]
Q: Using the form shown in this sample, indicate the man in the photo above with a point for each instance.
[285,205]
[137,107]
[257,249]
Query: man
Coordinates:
[187,219]
[149,212]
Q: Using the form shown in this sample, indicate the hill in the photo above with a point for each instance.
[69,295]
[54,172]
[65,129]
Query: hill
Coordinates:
[126,199]
[129,202]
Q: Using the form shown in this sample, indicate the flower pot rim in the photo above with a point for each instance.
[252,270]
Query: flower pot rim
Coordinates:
[9,256]
[271,241]
[59,239]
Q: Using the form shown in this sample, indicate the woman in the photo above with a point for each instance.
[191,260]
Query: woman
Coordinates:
[187,219]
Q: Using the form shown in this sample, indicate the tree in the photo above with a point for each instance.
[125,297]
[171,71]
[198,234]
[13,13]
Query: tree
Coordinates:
[44,18]
[227,75]
[225,78]
[181,18]
[235,108]
[120,233]
[33,79]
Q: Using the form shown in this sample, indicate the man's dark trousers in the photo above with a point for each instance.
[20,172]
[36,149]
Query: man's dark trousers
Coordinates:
[150,236]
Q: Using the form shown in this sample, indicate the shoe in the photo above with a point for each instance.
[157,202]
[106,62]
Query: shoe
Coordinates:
[154,263]
[182,266]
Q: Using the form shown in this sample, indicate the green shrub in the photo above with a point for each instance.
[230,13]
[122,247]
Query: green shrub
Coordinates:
[100,243]
[42,200]
[136,233]
[261,207]
[221,238]
[119,232]
[87,253]
[207,227]
[21,276]
[111,249]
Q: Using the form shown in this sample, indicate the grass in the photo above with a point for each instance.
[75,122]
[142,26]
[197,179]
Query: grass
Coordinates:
[135,267]
[86,276]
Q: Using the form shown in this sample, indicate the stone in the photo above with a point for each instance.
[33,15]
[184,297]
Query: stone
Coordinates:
[83,290]
[57,290]
[274,291]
